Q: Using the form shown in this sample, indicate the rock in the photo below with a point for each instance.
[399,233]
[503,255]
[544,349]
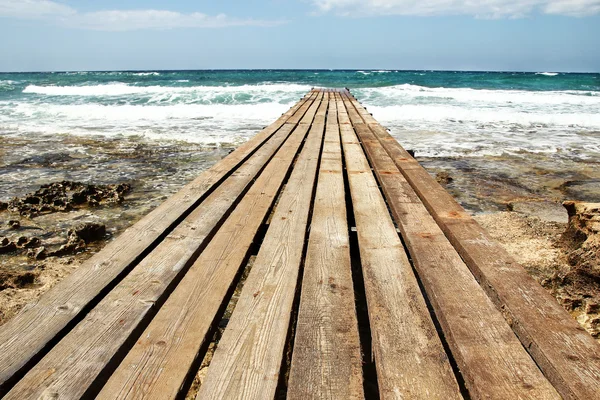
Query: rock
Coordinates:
[582,239]
[66,195]
[28,242]
[8,248]
[24,279]
[592,308]
[3,206]
[88,232]
[544,210]
[37,254]
[443,178]
[584,224]
[16,279]
[14,224]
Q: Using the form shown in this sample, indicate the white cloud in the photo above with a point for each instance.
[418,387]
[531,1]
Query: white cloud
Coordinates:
[33,9]
[119,20]
[477,8]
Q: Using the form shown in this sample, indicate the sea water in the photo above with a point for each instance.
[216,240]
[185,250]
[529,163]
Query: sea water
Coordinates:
[59,118]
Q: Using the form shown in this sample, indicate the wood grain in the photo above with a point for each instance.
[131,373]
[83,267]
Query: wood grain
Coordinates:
[568,356]
[248,358]
[491,359]
[156,367]
[326,360]
[410,360]
[73,365]
[32,331]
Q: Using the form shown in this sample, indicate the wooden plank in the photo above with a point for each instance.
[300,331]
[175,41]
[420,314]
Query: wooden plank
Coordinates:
[248,358]
[157,366]
[326,360]
[409,357]
[490,357]
[568,356]
[32,331]
[73,365]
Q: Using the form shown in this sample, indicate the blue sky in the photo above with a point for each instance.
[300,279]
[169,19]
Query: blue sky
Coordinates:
[525,35]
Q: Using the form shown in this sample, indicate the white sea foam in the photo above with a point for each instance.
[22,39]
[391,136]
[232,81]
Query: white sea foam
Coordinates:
[121,89]
[434,121]
[547,73]
[454,122]
[407,93]
[199,123]
[146,74]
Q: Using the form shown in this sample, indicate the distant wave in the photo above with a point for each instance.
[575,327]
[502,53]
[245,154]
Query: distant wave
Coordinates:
[121,89]
[547,73]
[146,74]
[407,94]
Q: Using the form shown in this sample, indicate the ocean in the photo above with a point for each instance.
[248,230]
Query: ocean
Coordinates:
[165,126]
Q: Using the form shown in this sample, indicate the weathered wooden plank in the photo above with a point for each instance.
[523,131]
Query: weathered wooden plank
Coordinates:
[568,356]
[157,366]
[326,360]
[248,359]
[30,332]
[489,355]
[73,365]
[410,360]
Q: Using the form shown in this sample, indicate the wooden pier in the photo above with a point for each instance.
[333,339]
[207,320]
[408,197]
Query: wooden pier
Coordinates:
[336,268]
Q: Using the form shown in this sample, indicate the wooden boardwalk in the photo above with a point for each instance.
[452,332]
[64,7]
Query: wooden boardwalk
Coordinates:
[350,273]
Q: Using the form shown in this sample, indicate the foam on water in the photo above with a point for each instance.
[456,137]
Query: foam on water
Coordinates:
[409,93]
[198,123]
[120,89]
[448,114]
[443,122]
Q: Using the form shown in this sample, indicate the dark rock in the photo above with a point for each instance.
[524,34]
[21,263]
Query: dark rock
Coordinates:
[3,206]
[24,279]
[66,195]
[592,308]
[14,224]
[88,232]
[4,241]
[33,242]
[8,248]
[28,242]
[37,254]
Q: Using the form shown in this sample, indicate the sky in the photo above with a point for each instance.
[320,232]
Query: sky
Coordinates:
[498,35]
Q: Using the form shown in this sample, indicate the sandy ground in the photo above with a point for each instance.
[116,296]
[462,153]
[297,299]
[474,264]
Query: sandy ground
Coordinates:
[45,275]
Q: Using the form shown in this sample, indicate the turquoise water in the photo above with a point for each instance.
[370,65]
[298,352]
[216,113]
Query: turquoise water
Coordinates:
[440,114]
